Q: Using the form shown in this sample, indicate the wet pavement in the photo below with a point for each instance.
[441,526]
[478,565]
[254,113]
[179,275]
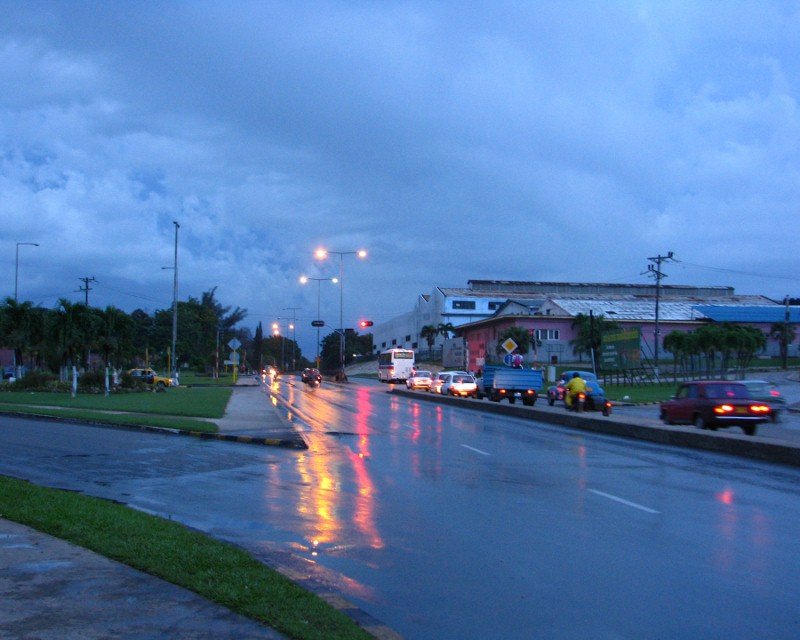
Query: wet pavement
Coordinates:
[50,588]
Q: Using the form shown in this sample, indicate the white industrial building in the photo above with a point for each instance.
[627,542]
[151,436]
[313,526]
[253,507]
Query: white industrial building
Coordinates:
[483,299]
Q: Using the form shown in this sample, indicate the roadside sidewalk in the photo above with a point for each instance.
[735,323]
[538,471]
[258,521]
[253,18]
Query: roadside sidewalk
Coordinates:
[52,589]
[252,417]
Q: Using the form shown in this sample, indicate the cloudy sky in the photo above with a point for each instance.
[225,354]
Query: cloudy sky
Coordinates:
[554,141]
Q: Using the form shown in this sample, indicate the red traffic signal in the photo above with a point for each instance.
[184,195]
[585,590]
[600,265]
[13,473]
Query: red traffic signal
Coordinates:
[365,323]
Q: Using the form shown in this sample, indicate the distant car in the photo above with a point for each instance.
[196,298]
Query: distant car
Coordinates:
[595,394]
[311,376]
[767,393]
[148,376]
[712,404]
[439,378]
[460,384]
[420,380]
[556,392]
[437,382]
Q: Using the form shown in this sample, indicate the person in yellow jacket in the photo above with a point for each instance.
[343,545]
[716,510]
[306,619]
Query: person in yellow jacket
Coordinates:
[575,386]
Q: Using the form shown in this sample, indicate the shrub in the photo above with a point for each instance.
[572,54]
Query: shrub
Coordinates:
[35,381]
[93,381]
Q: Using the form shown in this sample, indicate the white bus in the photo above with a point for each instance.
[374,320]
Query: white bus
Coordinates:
[395,365]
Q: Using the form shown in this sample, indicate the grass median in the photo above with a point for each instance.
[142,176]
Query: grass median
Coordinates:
[218,571]
[177,408]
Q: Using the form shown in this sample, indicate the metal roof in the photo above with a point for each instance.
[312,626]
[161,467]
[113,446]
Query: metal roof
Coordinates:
[758,313]
[638,308]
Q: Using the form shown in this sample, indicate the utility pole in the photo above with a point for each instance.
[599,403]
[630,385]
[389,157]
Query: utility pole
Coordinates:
[86,288]
[656,271]
[786,333]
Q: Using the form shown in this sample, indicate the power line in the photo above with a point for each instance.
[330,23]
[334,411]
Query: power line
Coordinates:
[741,273]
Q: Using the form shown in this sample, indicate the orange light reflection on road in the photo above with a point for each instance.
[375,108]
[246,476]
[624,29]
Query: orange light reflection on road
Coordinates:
[323,499]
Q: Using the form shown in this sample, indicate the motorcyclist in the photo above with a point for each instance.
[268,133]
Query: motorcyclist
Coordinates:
[575,386]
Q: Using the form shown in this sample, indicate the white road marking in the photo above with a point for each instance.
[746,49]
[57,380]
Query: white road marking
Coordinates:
[623,501]
[483,453]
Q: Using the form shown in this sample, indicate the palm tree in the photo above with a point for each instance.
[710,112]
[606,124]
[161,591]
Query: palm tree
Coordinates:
[784,334]
[429,333]
[445,329]
[590,331]
[17,327]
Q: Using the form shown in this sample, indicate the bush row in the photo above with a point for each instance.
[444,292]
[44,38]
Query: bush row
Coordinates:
[88,382]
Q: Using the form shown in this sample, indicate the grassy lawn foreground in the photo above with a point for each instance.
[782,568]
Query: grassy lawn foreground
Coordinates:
[172,409]
[218,571]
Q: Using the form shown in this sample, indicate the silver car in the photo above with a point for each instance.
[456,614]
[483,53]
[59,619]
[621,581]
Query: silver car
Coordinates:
[766,392]
[420,380]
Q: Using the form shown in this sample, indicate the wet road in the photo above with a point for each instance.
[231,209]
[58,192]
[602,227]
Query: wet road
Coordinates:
[444,523]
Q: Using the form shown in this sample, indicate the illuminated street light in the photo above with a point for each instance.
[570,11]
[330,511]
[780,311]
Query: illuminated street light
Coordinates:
[321,254]
[304,280]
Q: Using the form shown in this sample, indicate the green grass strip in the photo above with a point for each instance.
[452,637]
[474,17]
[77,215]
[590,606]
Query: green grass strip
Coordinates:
[178,401]
[123,419]
[218,571]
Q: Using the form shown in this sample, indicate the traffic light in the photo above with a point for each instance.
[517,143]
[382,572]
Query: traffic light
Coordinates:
[365,323]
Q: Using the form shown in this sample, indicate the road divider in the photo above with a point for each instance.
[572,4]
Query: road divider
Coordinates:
[755,447]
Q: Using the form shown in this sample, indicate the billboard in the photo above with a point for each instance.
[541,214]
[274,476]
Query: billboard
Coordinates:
[621,350]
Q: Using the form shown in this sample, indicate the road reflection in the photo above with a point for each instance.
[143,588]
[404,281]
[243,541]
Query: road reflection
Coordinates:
[333,495]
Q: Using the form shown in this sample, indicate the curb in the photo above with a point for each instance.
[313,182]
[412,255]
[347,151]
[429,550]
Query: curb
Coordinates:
[294,443]
[730,443]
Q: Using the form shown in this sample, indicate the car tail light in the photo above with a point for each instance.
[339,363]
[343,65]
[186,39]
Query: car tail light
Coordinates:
[759,408]
[530,392]
[775,394]
[723,408]
[501,390]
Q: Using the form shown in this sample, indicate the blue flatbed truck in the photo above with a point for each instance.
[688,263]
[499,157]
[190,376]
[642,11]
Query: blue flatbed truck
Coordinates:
[511,383]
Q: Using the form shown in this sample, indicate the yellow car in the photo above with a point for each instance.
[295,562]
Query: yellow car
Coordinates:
[148,376]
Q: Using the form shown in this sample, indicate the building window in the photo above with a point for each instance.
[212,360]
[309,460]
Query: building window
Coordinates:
[547,334]
[463,304]
[494,306]
[408,339]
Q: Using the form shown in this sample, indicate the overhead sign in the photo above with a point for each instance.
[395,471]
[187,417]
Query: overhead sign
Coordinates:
[317,323]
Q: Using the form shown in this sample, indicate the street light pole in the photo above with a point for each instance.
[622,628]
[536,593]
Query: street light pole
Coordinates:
[175,305]
[321,254]
[16,269]
[304,280]
[293,327]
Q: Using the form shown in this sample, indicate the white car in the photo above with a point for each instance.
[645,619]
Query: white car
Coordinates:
[460,384]
[420,380]
[438,381]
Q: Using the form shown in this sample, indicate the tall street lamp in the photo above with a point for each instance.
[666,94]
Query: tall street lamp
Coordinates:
[304,280]
[174,373]
[321,254]
[16,269]
[293,326]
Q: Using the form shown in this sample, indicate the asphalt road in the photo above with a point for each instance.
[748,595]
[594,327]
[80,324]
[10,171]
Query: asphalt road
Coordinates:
[447,523]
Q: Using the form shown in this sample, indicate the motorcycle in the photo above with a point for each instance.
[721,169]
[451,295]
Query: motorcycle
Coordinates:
[578,403]
[583,402]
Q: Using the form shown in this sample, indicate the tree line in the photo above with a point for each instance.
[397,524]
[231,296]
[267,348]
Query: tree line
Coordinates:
[71,334]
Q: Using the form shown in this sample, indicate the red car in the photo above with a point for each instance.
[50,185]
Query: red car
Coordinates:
[714,404]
